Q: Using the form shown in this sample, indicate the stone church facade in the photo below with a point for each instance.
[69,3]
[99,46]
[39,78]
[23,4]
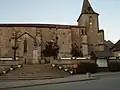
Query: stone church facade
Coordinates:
[86,35]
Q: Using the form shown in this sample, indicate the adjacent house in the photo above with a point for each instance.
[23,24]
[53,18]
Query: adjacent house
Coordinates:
[116,49]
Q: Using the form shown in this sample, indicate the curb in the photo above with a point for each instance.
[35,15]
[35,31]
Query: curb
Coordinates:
[18,79]
[106,74]
[49,83]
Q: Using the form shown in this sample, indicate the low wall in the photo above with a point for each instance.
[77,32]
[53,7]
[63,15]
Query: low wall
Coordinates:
[114,60]
[71,61]
[9,61]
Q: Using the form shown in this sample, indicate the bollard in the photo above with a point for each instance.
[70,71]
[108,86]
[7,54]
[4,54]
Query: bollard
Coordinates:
[11,68]
[4,71]
[66,69]
[60,67]
[88,75]
[53,65]
[19,65]
[71,72]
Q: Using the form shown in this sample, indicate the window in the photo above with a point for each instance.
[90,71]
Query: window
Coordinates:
[90,20]
[82,32]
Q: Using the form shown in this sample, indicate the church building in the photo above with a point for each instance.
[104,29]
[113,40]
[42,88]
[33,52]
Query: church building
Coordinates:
[86,35]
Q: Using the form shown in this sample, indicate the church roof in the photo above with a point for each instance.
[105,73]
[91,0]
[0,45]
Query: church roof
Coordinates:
[42,26]
[87,9]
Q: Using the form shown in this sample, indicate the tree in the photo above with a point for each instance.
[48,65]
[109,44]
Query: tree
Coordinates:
[51,49]
[76,52]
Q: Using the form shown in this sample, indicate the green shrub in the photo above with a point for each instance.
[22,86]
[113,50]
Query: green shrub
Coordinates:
[51,49]
[114,67]
[87,67]
[76,51]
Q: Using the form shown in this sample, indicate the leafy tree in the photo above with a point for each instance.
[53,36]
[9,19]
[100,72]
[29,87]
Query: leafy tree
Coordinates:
[76,52]
[51,49]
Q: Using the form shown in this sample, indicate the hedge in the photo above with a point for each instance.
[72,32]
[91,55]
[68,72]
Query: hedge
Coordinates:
[87,67]
[114,67]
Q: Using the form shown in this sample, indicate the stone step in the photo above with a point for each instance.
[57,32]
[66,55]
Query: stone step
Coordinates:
[38,73]
[34,72]
[52,75]
[24,71]
[31,74]
[4,68]
[30,77]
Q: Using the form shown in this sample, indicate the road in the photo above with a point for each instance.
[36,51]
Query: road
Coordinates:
[111,82]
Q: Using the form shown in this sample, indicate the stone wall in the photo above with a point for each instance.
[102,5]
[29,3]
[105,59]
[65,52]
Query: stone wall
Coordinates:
[92,27]
[76,36]
[84,45]
[100,41]
[6,35]
[64,41]
[66,36]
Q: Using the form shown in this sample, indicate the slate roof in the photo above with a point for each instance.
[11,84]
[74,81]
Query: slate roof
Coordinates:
[107,50]
[116,47]
[87,9]
[109,44]
[103,54]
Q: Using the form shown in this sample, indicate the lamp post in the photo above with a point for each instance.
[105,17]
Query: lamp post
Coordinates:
[14,44]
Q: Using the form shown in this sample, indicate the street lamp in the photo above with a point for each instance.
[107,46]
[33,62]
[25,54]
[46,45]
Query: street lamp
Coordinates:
[14,44]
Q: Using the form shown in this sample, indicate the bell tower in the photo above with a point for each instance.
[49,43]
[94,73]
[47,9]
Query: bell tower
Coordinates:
[89,19]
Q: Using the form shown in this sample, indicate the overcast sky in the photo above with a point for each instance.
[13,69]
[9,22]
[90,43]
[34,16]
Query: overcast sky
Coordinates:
[61,12]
